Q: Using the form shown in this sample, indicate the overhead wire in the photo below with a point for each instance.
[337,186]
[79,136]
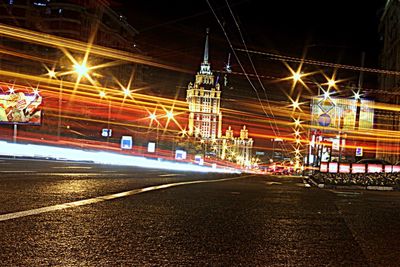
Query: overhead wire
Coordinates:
[277,131]
[273,56]
[239,62]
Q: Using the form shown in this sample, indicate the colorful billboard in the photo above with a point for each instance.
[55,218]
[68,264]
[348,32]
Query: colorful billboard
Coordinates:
[323,167]
[333,167]
[344,167]
[358,168]
[341,113]
[20,108]
[373,168]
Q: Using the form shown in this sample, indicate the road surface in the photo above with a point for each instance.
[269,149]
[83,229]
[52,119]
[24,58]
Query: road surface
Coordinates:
[81,214]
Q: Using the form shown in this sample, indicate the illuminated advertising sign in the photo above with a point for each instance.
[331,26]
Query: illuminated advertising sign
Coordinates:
[344,168]
[396,168]
[342,113]
[372,168]
[388,168]
[357,168]
[323,167]
[20,108]
[333,167]
[151,147]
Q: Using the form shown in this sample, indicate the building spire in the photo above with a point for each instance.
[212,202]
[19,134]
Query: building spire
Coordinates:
[205,67]
[205,60]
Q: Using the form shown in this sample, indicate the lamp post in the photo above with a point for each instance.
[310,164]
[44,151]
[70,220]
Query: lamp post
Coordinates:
[153,117]
[82,70]
[103,95]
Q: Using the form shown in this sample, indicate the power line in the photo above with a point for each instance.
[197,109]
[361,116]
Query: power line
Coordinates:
[276,129]
[273,56]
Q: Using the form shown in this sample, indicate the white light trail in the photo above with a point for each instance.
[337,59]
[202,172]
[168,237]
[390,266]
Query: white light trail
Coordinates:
[59,153]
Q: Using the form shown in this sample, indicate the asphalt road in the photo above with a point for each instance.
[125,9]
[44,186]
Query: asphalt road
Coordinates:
[72,214]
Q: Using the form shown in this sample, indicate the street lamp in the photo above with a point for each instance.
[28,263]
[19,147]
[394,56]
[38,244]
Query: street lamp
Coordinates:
[81,69]
[103,95]
[153,117]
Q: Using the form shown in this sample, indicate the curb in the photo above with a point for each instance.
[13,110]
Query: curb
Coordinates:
[353,187]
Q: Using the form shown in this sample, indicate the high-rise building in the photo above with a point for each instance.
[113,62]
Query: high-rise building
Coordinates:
[205,118]
[388,120]
[204,97]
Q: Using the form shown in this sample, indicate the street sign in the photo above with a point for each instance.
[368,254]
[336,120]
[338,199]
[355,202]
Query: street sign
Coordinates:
[199,159]
[324,120]
[180,154]
[151,147]
[126,142]
[359,152]
[106,132]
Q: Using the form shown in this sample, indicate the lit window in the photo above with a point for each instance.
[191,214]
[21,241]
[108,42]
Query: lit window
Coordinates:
[10,2]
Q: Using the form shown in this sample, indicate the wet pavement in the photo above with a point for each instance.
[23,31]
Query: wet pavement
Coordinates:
[251,221]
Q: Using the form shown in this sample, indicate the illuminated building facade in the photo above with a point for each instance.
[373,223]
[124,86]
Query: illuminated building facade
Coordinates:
[205,118]
[203,97]
[388,120]
[237,149]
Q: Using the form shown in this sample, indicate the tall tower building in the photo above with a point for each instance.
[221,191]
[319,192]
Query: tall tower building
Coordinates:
[203,97]
[388,120]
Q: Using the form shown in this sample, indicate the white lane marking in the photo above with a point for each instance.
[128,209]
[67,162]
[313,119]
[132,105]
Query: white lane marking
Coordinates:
[80,174]
[272,183]
[18,171]
[348,193]
[71,167]
[171,175]
[20,214]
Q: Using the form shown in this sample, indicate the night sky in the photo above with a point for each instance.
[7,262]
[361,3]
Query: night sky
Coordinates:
[334,31]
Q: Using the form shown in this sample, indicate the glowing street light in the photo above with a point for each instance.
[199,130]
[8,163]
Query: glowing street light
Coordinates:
[102,94]
[295,104]
[81,69]
[297,122]
[127,92]
[152,116]
[296,76]
[331,82]
[170,115]
[52,74]
[326,94]
[357,95]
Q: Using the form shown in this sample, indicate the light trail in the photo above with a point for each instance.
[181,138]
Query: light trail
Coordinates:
[60,42]
[109,158]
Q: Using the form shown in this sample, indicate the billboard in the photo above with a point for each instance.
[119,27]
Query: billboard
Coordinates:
[357,168]
[323,167]
[344,167]
[373,168]
[20,108]
[341,113]
[333,167]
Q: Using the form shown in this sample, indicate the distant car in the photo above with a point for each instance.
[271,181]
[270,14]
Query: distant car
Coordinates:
[374,161]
